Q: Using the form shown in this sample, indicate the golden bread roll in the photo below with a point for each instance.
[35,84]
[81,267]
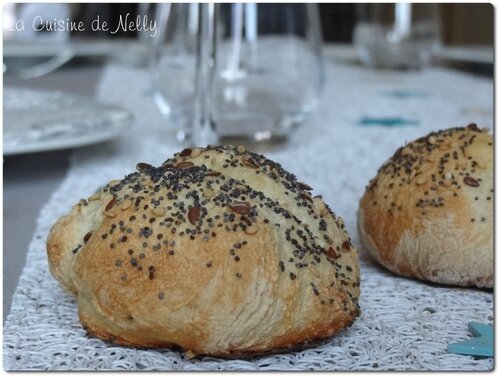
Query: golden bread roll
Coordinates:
[428,213]
[218,251]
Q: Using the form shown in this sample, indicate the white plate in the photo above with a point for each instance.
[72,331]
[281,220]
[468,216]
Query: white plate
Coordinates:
[39,120]
[79,48]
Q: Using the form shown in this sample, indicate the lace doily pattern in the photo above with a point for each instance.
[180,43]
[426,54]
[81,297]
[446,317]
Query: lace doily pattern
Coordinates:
[405,324]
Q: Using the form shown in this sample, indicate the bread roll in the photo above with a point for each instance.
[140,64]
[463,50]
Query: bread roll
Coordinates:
[218,251]
[428,213]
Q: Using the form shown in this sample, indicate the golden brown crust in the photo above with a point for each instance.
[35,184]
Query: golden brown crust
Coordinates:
[219,251]
[428,213]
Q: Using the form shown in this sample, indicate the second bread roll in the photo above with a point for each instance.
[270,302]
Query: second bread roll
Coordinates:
[428,213]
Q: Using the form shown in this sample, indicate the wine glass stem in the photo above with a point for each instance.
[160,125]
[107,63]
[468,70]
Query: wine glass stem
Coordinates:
[204,127]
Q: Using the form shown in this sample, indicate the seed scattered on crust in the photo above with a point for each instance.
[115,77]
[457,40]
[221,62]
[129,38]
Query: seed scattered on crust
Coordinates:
[240,188]
[248,161]
[241,208]
[331,254]
[431,140]
[196,152]
[306,196]
[241,149]
[186,152]
[110,204]
[212,173]
[193,215]
[252,229]
[316,273]
[473,127]
[184,165]
[320,207]
[158,211]
[303,186]
[87,236]
[142,166]
[448,179]
[109,214]
[208,193]
[151,272]
[126,204]
[420,180]
[469,181]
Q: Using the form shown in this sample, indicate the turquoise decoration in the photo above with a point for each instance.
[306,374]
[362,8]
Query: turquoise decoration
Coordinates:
[387,121]
[480,345]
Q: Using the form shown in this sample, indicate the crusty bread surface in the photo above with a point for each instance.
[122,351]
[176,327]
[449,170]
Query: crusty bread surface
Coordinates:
[219,251]
[428,213]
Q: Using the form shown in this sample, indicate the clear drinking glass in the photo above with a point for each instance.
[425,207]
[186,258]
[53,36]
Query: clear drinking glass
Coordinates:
[396,35]
[227,72]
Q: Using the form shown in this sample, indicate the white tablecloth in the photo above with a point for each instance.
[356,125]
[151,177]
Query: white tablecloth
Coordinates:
[405,324]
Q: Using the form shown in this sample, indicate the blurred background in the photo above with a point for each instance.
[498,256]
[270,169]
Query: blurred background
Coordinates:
[464,33]
[462,23]
[40,39]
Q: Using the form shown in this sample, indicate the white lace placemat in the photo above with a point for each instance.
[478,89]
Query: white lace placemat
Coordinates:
[404,325]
